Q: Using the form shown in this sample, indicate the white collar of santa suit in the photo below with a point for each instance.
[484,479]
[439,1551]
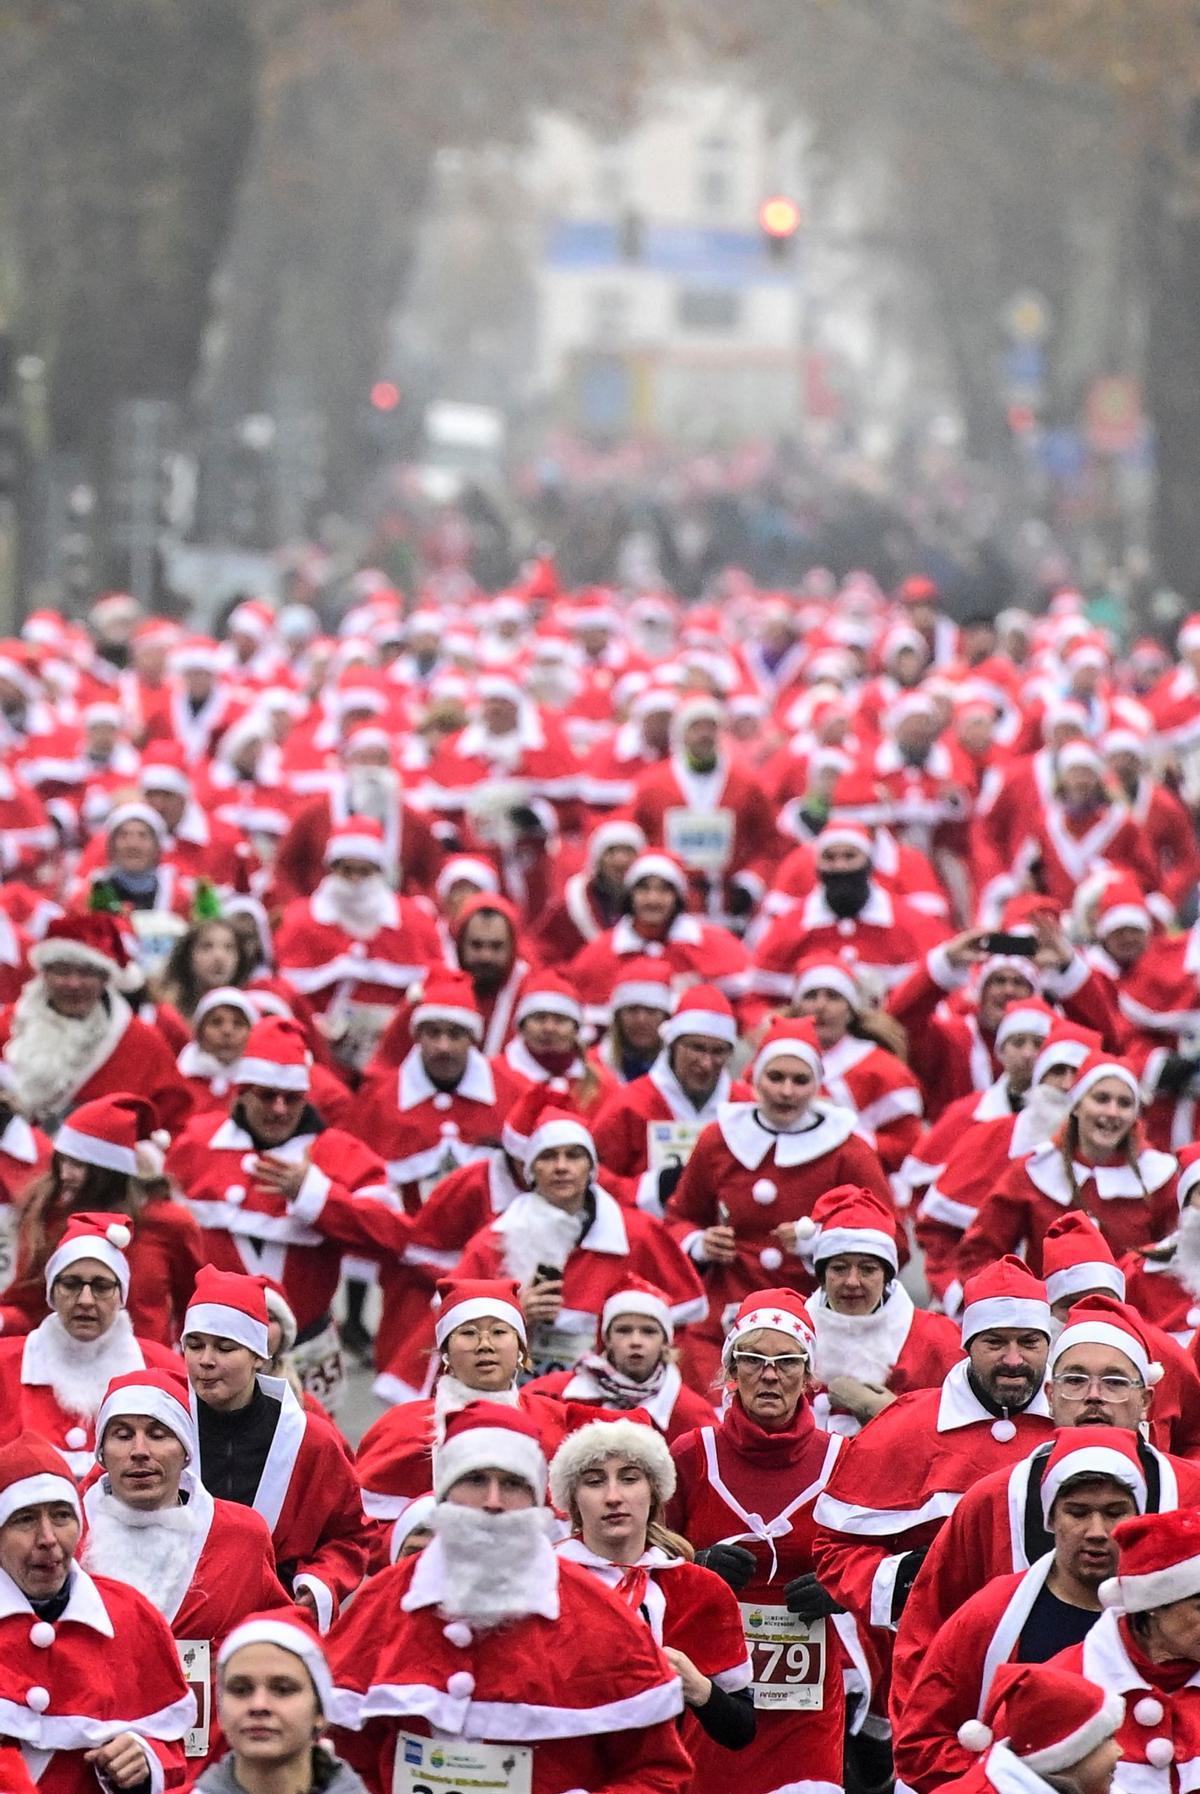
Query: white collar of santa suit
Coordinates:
[324,909]
[660,1406]
[880,1337]
[993,1105]
[848,1052]
[476,742]
[607,1232]
[200,1510]
[1046,1172]
[876,912]
[1079,853]
[276,1478]
[750,1142]
[428,1585]
[1107,1663]
[84,1603]
[415,1086]
[959,1405]
[702,790]
[676,1098]
[193,825]
[518,1055]
[610,1574]
[686,930]
[194,1062]
[18,1141]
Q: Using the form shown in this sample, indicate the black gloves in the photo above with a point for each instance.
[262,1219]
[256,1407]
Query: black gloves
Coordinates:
[806,1598]
[732,1563]
[668,1178]
[906,1575]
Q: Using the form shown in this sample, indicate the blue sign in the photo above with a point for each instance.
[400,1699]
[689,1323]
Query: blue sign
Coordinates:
[1024,365]
[728,257]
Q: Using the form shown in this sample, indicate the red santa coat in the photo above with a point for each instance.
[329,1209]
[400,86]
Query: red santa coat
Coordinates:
[1171,836]
[344,1205]
[1109,1658]
[901,1347]
[883,1093]
[720,824]
[620,1241]
[1067,851]
[332,967]
[581,1683]
[886,937]
[128,1049]
[590,1082]
[25,1155]
[754,1180]
[673,1407]
[740,1485]
[29,1399]
[26,831]
[409,841]
[902,871]
[1129,1204]
[977,1164]
[570,922]
[623,1128]
[694,951]
[996,1530]
[201,847]
[105,1628]
[14,965]
[538,757]
[930,1156]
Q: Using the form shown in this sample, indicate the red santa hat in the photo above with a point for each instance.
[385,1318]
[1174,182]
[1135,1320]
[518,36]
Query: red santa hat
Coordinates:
[1005,1294]
[846,834]
[465,868]
[637,1440]
[1158,1561]
[161,1395]
[656,864]
[1076,1258]
[287,1634]
[486,1436]
[358,838]
[1050,1718]
[464,1299]
[634,1295]
[828,973]
[558,1128]
[100,712]
[1028,1015]
[229,1305]
[1098,1066]
[695,707]
[646,982]
[528,1110]
[276,1056]
[120,814]
[365,738]
[850,1218]
[780,1310]
[1066,1044]
[1189,1173]
[32,1472]
[101,1235]
[546,993]
[164,768]
[615,833]
[796,1039]
[918,588]
[91,940]
[252,617]
[224,996]
[1121,905]
[1102,1320]
[448,995]
[1076,754]
[196,654]
[106,1132]
[702,1010]
[1093,1451]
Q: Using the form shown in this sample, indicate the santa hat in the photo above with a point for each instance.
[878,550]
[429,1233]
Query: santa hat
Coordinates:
[1066,1044]
[1121,905]
[134,812]
[1102,1320]
[1158,1562]
[635,1295]
[106,1132]
[464,1299]
[1047,1717]
[1098,1066]
[1010,962]
[780,1310]
[1027,1015]
[850,1218]
[644,981]
[621,1436]
[164,768]
[365,738]
[100,1235]
[33,1473]
[252,617]
[465,868]
[160,1395]
[846,834]
[485,903]
[702,1010]
[358,838]
[1125,741]
[417,1517]
[1077,1258]
[91,940]
[695,707]
[279,1309]
[1078,754]
[558,1128]
[448,996]
[1109,1451]
[225,996]
[196,654]
[528,1110]
[288,1634]
[545,993]
[229,1305]
[828,974]
[614,833]
[918,588]
[500,685]
[276,1056]
[486,1436]
[1005,1294]
[100,712]
[1189,1173]
[790,1039]
[658,865]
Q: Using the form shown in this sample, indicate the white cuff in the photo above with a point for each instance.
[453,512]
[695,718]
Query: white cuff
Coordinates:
[645,1197]
[1068,982]
[750,881]
[693,1245]
[320,1594]
[310,1197]
[944,975]
[883,1589]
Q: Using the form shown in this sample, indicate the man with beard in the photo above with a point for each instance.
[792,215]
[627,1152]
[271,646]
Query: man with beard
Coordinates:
[492,1657]
[486,938]
[71,1036]
[1100,1373]
[367,785]
[206,1565]
[354,946]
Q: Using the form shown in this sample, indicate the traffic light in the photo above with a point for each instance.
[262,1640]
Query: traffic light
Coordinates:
[385,395]
[779,220]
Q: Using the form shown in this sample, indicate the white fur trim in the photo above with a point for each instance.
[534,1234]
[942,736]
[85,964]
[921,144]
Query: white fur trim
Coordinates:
[489,1448]
[600,1440]
[1110,1069]
[92,1246]
[91,1149]
[833,1240]
[1022,1021]
[346,845]
[649,993]
[32,1491]
[709,1024]
[1005,1311]
[271,1076]
[1115,1338]
[1074,1279]
[227,1323]
[636,1301]
[829,977]
[1093,1461]
[657,865]
[788,1047]
[157,1405]
[470,1019]
[558,1133]
[289,1638]
[473,1310]
[71,953]
[1064,1753]
[548,1002]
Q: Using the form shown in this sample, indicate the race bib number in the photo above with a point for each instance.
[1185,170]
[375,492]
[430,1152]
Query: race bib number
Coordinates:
[702,839]
[788,1657]
[670,1142]
[457,1766]
[194,1662]
[320,1367]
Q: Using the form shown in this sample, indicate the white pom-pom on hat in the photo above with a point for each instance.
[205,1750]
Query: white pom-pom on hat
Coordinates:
[974,1735]
[806,1227]
[37,1700]
[1148,1711]
[1160,1753]
[118,1235]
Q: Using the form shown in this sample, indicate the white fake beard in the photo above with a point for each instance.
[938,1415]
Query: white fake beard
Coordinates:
[1043,1113]
[49,1054]
[78,1371]
[498,1567]
[361,906]
[864,1346]
[451,1397]
[372,791]
[546,1236]
[1186,1262]
[151,1552]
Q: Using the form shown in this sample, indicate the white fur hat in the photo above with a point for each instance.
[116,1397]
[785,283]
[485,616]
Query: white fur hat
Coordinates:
[599,1440]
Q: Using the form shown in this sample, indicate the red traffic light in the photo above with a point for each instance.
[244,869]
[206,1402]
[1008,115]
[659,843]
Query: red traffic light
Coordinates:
[385,395]
[779,216]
